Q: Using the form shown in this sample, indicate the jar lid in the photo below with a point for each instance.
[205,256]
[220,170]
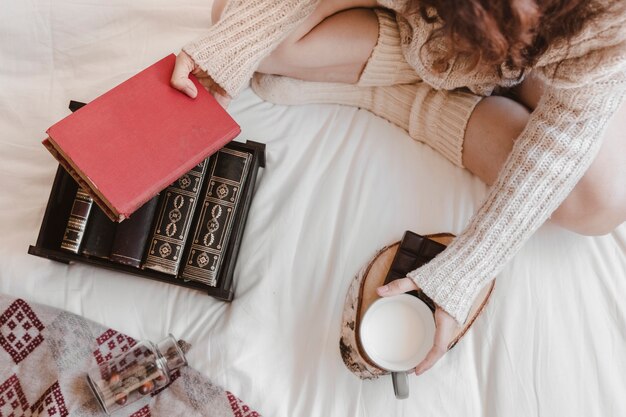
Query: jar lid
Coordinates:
[172,352]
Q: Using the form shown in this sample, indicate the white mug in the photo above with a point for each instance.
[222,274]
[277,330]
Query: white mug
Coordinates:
[396,333]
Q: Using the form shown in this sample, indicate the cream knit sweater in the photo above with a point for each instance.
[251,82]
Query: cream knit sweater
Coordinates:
[586,85]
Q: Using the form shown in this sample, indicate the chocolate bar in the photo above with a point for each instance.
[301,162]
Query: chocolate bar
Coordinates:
[414,251]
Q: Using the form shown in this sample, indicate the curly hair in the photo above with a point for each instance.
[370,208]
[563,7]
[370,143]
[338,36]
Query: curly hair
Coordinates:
[511,32]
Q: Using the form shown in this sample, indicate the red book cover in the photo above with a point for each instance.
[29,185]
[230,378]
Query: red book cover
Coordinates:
[139,137]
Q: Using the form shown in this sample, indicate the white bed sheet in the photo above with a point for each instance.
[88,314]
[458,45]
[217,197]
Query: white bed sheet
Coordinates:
[339,184]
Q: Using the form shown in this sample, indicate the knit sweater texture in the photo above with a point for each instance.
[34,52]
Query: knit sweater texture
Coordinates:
[586,83]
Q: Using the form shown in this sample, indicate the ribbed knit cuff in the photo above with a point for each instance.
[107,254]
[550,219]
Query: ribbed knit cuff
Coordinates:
[231,82]
[450,293]
[543,167]
[387,65]
[439,119]
[290,91]
[455,277]
[247,32]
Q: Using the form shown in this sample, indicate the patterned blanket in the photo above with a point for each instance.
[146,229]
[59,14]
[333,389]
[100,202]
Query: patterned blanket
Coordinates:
[45,354]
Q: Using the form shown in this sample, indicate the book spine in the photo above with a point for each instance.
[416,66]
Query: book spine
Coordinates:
[131,235]
[99,234]
[77,222]
[227,174]
[175,213]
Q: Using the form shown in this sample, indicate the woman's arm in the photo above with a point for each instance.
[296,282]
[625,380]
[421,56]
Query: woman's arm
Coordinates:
[231,50]
[557,146]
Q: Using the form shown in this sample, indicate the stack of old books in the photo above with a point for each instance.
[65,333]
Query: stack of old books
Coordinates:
[150,182]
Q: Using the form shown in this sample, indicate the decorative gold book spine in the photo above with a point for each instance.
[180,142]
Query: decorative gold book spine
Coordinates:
[228,172]
[175,213]
[75,229]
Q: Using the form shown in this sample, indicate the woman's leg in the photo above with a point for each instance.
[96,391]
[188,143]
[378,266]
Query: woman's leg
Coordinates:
[334,50]
[597,205]
[335,43]
[332,45]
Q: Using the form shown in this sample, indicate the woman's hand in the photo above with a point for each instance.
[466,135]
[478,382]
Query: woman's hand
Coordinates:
[184,66]
[445,325]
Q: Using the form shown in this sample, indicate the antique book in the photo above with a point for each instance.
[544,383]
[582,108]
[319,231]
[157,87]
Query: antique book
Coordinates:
[77,222]
[59,206]
[95,235]
[174,215]
[131,236]
[99,235]
[227,173]
[133,141]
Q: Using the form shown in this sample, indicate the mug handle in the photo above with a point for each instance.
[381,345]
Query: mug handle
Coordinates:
[400,385]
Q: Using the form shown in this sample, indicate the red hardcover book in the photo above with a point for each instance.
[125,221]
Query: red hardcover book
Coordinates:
[139,137]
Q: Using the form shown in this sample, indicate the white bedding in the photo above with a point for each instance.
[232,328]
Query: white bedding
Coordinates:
[339,184]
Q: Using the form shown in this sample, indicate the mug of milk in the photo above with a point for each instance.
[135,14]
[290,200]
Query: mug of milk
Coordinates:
[396,333]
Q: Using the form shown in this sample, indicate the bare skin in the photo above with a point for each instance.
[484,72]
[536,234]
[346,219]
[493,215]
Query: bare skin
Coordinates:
[334,44]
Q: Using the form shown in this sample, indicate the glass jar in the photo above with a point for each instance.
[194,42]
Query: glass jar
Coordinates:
[143,369]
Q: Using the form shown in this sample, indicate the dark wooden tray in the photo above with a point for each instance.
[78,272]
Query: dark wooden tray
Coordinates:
[60,203]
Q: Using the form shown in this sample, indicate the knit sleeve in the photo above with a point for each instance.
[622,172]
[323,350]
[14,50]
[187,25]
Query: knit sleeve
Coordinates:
[231,49]
[553,152]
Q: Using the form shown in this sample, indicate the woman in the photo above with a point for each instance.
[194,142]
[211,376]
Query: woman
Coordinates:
[525,94]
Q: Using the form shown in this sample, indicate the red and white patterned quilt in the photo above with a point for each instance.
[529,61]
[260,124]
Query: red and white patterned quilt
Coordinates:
[45,354]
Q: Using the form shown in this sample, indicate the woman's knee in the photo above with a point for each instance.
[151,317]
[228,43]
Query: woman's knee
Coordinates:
[217,9]
[594,208]
[491,131]
[334,50]
[597,205]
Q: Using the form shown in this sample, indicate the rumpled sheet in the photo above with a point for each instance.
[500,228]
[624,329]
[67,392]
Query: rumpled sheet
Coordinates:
[339,184]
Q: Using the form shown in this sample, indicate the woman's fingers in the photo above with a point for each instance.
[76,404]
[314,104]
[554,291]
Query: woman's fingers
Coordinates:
[184,66]
[445,329]
[435,353]
[396,287]
[223,100]
[180,76]
[212,87]
[445,325]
